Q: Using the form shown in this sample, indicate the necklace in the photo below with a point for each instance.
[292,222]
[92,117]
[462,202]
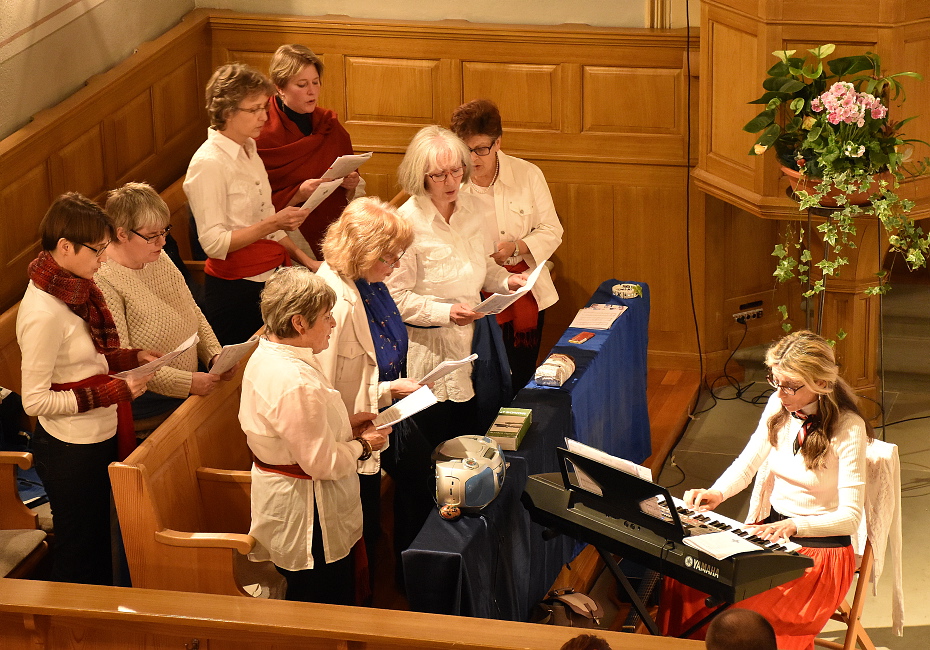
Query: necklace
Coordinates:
[485,190]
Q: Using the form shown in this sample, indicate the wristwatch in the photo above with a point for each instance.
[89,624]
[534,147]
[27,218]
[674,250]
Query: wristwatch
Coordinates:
[366,449]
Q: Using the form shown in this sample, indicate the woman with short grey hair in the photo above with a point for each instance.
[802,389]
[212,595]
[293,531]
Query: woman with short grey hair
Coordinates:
[306,510]
[437,285]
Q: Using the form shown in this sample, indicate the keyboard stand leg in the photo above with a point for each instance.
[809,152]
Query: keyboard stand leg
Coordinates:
[636,601]
[704,621]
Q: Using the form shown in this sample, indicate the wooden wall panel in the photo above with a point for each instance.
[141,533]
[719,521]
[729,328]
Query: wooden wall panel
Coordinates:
[391,91]
[129,135]
[631,100]
[78,167]
[140,121]
[530,93]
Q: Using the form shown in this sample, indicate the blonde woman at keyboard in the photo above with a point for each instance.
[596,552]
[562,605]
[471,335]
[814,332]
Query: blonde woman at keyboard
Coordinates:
[810,447]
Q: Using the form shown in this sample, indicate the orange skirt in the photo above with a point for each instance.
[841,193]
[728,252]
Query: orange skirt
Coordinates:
[798,610]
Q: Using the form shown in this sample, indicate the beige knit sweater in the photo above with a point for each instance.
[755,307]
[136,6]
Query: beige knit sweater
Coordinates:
[153,309]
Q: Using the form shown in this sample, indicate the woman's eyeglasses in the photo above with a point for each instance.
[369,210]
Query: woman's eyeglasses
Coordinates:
[153,239]
[483,151]
[96,251]
[396,261]
[791,390]
[254,109]
[440,177]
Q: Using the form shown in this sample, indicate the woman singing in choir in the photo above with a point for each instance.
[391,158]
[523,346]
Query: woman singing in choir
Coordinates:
[438,283]
[237,225]
[301,140]
[520,217]
[306,512]
[812,439]
[70,346]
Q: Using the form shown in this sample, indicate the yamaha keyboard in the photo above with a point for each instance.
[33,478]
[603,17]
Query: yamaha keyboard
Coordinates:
[631,517]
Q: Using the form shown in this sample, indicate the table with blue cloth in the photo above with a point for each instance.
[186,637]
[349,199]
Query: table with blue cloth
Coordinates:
[497,564]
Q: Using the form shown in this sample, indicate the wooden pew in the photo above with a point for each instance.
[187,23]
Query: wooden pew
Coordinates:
[33,615]
[183,498]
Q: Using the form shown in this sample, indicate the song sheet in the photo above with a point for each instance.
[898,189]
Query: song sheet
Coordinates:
[414,403]
[322,190]
[445,368]
[589,484]
[345,165]
[152,366]
[231,354]
[498,302]
[597,317]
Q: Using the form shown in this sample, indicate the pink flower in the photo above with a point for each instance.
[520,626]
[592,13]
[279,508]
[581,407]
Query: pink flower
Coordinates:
[816,105]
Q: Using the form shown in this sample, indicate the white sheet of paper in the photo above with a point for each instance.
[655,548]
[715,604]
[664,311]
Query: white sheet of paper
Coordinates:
[414,403]
[498,302]
[593,453]
[596,319]
[445,368]
[345,165]
[230,355]
[152,366]
[322,190]
[721,545]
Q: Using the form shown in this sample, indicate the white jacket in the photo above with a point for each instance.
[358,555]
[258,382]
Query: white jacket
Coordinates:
[524,210]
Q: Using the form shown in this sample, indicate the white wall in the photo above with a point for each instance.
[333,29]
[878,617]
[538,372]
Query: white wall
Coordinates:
[600,13]
[49,48]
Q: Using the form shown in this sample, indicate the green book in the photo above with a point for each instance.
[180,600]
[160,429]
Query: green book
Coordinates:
[510,426]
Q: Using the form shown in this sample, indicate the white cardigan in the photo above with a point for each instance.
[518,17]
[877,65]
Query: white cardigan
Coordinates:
[350,362]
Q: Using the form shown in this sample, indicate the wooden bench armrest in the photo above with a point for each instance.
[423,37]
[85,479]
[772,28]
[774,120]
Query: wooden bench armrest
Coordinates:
[224,475]
[235,541]
[21,458]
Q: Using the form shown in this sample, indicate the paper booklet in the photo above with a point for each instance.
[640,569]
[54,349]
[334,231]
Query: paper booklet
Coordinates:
[414,403]
[445,368]
[231,354]
[720,545]
[597,317]
[593,453]
[498,302]
[345,165]
[152,366]
[322,190]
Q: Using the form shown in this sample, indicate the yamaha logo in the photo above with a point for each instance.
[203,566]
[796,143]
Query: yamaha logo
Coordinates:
[702,567]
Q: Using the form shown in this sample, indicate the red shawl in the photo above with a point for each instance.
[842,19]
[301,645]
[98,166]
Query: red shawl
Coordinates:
[290,158]
[254,259]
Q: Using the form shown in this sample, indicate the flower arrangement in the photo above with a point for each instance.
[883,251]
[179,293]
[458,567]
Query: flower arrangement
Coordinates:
[829,124]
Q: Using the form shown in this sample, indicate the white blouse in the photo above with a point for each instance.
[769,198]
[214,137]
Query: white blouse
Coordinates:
[291,414]
[447,264]
[228,189]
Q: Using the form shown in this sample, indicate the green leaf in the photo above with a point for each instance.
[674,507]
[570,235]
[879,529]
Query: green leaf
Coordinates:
[771,135]
[841,334]
[760,121]
[797,105]
[792,86]
[822,51]
[784,55]
[780,69]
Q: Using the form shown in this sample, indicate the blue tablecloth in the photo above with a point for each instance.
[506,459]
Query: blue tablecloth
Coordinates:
[497,564]
[608,388]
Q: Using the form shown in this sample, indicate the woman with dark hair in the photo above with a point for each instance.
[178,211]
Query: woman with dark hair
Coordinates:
[230,196]
[301,140]
[520,218]
[812,438]
[306,511]
[70,346]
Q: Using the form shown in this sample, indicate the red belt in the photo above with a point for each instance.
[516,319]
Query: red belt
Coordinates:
[125,426]
[294,471]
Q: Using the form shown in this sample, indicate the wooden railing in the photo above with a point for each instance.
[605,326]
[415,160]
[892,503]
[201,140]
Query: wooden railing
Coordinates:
[56,616]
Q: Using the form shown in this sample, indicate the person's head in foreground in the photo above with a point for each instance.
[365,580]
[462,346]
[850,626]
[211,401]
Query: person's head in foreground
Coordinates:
[740,629]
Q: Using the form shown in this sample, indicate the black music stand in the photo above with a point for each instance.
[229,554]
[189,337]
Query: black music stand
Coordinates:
[625,496]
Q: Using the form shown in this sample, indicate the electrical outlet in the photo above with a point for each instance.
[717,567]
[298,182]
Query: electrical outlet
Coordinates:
[748,314]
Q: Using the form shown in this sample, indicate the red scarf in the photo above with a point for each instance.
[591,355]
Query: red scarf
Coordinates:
[82,296]
[258,257]
[524,313]
[291,157]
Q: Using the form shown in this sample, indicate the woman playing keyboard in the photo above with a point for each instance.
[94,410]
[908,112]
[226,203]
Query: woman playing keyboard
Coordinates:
[809,452]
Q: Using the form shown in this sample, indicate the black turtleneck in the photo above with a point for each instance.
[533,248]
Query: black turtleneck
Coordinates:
[304,121]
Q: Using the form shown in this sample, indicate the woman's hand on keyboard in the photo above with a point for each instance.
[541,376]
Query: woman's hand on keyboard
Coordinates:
[702,500]
[780,530]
